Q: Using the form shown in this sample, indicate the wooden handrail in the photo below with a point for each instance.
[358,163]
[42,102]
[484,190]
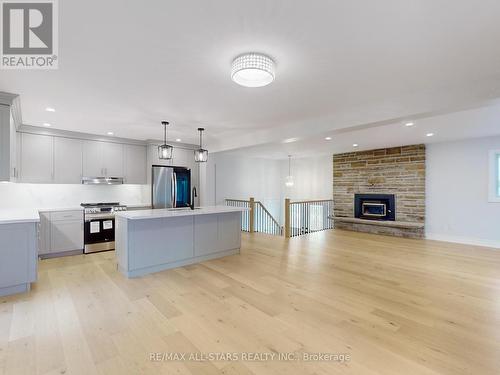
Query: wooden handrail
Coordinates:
[252,215]
[287,218]
[312,201]
[267,212]
[254,221]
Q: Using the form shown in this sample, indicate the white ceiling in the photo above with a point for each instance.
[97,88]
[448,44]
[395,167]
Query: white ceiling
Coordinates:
[472,123]
[126,65]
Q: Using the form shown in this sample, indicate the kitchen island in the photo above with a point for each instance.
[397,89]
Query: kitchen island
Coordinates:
[18,250]
[148,241]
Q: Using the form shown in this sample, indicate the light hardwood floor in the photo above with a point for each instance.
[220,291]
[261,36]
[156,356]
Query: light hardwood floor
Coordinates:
[396,306]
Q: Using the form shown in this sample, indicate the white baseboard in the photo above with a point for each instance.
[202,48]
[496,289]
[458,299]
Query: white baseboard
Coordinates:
[463,240]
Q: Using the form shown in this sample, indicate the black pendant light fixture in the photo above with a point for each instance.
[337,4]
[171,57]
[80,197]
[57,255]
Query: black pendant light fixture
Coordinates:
[201,155]
[289,178]
[165,150]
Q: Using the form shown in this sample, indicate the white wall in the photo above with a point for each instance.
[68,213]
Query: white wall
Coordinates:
[313,178]
[234,176]
[238,177]
[19,195]
[457,193]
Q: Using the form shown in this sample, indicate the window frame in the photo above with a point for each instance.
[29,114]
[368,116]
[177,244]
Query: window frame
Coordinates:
[494,176]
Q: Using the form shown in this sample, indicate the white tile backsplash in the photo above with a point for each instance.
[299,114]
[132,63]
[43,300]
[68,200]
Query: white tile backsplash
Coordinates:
[13,195]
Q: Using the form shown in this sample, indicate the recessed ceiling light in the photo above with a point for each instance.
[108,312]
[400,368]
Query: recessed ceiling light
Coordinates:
[178,140]
[253,70]
[355,145]
[111,133]
[409,124]
[290,140]
[328,138]
[430,134]
[47,124]
[50,109]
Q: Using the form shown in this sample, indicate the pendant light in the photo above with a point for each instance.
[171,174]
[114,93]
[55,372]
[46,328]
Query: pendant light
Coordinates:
[289,178]
[165,151]
[201,155]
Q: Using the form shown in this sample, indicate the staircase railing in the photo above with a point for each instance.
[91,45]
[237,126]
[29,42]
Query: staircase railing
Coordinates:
[246,225]
[302,217]
[257,218]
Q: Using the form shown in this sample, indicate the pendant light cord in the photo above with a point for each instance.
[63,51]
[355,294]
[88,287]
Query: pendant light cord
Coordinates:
[201,135]
[165,123]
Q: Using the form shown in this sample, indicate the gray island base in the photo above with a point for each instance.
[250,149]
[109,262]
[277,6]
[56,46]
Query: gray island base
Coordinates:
[150,241]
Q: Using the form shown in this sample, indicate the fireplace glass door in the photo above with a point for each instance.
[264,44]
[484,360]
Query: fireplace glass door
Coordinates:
[374,209]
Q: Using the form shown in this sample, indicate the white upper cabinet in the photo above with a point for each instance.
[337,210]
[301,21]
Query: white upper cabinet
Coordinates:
[68,160]
[8,166]
[37,158]
[113,159]
[92,159]
[153,157]
[102,159]
[65,160]
[135,164]
[182,157]
[14,169]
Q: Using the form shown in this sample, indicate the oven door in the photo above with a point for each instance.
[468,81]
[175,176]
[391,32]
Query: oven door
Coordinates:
[99,234]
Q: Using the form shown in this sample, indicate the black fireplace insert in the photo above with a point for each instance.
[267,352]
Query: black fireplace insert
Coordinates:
[375,206]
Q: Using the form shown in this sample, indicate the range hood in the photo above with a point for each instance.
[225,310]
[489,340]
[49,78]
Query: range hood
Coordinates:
[102,180]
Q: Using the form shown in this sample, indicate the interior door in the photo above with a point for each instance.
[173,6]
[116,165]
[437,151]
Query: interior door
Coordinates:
[162,187]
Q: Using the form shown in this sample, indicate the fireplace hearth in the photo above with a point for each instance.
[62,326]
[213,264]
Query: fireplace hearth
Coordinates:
[375,206]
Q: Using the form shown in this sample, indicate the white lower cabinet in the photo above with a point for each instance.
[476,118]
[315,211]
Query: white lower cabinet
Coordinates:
[18,260]
[60,231]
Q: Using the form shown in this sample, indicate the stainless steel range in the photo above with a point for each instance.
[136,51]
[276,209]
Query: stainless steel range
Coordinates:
[99,229]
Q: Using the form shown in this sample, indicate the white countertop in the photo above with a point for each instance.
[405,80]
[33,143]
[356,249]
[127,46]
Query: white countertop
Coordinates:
[22,215]
[60,209]
[168,212]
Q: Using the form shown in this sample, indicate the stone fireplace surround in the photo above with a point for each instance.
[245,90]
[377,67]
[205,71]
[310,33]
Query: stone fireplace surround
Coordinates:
[397,170]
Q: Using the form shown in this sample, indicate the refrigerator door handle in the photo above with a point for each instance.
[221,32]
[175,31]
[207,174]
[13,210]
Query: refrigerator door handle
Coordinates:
[175,189]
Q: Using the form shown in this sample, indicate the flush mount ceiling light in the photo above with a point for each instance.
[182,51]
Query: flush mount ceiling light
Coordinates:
[110,133]
[201,155]
[355,145]
[46,124]
[328,138]
[289,178]
[49,109]
[430,134]
[409,124]
[165,150]
[253,70]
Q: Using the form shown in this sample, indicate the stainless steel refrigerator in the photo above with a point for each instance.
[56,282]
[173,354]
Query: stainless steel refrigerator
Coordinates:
[171,187]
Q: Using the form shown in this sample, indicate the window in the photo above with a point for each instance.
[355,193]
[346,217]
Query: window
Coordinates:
[494,190]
